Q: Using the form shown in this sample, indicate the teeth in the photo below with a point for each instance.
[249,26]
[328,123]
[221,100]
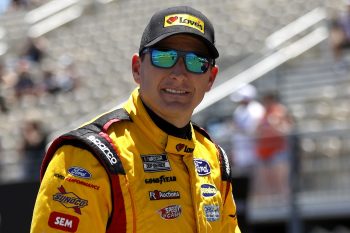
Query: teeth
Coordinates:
[175,91]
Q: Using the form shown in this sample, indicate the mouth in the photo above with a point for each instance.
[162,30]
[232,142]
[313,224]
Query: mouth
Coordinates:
[175,92]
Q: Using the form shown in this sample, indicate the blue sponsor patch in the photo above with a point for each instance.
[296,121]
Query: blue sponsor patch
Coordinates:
[208,190]
[212,212]
[202,167]
[79,172]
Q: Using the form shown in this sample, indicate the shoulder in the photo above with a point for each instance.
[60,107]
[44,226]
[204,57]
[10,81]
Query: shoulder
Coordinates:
[222,156]
[93,138]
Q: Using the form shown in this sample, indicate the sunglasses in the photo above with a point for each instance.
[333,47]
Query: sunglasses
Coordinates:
[167,58]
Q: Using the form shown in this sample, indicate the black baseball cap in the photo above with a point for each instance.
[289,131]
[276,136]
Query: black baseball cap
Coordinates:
[179,20]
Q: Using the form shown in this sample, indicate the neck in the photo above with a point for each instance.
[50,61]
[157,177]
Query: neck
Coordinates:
[182,132]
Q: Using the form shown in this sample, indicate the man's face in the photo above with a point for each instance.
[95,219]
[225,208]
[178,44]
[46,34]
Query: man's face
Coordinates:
[173,93]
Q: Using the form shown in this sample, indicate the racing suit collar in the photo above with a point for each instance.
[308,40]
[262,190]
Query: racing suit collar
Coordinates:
[168,143]
[184,132]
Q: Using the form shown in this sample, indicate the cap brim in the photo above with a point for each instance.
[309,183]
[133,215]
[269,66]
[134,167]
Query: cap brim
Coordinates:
[212,49]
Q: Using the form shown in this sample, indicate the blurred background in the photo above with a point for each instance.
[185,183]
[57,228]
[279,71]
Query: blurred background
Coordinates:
[280,106]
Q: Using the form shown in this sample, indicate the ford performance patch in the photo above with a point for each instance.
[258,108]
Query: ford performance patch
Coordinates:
[155,163]
[79,172]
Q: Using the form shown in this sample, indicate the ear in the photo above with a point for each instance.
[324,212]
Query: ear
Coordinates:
[136,67]
[213,72]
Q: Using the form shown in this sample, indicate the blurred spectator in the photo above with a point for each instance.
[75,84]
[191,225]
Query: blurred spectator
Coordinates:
[3,103]
[273,148]
[67,76]
[35,49]
[32,149]
[340,36]
[25,83]
[246,117]
[20,4]
[49,83]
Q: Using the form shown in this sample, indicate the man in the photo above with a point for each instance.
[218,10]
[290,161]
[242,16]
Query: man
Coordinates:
[146,167]
[246,118]
[340,37]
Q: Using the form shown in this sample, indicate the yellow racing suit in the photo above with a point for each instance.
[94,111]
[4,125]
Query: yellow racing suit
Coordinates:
[142,181]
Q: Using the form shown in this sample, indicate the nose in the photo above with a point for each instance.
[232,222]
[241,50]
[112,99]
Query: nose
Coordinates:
[179,68]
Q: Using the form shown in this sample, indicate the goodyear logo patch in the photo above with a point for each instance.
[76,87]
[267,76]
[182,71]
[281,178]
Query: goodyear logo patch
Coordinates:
[184,20]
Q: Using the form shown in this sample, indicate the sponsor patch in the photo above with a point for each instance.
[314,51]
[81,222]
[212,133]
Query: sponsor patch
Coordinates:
[105,150]
[79,172]
[184,148]
[159,195]
[77,181]
[208,190]
[155,163]
[226,162]
[80,182]
[170,212]
[59,176]
[184,20]
[202,167]
[160,180]
[70,200]
[212,212]
[63,222]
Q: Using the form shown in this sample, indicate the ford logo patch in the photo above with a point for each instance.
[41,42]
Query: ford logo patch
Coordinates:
[202,167]
[79,172]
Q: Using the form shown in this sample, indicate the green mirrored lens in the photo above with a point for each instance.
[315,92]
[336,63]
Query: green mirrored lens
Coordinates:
[196,64]
[164,59]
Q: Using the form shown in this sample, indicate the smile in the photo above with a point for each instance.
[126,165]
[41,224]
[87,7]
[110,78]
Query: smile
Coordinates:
[172,91]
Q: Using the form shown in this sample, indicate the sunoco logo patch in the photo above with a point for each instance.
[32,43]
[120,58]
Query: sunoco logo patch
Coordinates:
[184,20]
[70,200]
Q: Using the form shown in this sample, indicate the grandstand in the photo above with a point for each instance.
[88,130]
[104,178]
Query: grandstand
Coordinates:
[100,37]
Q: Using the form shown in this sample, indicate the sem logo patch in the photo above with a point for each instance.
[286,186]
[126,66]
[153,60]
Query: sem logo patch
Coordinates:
[159,195]
[155,163]
[184,20]
[211,212]
[70,200]
[63,222]
[202,167]
[208,190]
[170,212]
[79,172]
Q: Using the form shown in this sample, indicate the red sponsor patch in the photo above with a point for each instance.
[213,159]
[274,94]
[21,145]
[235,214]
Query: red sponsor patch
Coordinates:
[172,19]
[180,146]
[170,212]
[63,222]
